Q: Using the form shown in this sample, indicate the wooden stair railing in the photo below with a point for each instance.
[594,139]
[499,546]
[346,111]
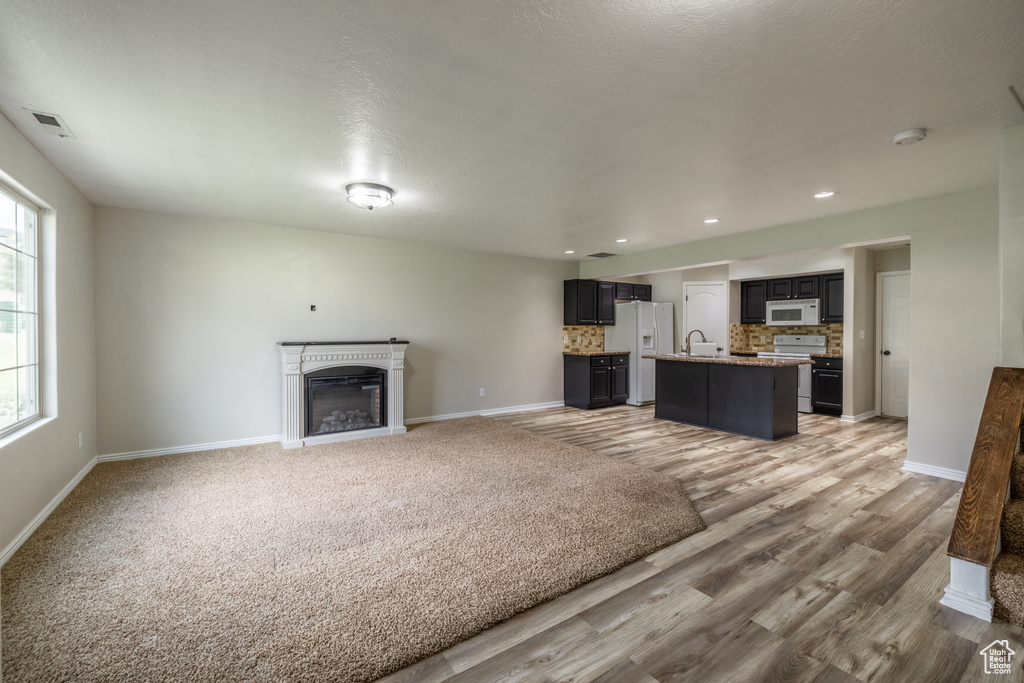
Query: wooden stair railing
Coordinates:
[976,528]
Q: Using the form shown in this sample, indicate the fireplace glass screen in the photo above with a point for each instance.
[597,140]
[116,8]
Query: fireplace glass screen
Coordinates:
[345,399]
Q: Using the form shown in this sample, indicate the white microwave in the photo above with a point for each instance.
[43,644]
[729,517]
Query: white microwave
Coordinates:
[795,312]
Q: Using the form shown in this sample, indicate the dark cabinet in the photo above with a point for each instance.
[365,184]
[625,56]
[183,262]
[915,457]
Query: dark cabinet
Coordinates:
[758,401]
[624,291]
[752,298]
[832,298]
[827,386]
[801,287]
[780,289]
[595,381]
[588,302]
[806,287]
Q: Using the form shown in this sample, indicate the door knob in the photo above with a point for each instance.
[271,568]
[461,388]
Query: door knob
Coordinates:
[885,353]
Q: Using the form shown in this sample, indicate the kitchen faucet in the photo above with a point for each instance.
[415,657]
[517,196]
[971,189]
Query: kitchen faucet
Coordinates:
[702,338]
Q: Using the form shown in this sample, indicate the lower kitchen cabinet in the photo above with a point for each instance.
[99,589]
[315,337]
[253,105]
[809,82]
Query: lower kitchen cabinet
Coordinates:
[595,381]
[827,386]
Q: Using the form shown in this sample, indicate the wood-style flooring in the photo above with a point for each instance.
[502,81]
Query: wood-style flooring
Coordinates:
[823,561]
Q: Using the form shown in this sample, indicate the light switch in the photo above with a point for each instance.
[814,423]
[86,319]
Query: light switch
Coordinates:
[862,334]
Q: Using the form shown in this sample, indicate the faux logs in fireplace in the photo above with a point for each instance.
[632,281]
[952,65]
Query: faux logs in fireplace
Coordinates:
[346,398]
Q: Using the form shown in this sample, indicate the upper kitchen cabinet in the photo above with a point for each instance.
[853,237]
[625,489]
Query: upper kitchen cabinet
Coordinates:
[588,302]
[625,291]
[641,292]
[752,298]
[780,289]
[832,298]
[806,287]
[605,303]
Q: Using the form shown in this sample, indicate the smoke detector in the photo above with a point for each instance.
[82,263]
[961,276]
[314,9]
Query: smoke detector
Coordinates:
[909,137]
[51,124]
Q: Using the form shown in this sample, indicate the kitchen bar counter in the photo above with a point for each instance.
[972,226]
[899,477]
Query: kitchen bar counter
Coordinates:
[594,353]
[750,396]
[813,355]
[732,360]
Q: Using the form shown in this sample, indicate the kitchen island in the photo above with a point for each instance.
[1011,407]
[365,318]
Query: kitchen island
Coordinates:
[749,396]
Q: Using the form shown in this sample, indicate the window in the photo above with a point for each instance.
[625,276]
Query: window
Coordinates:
[19,315]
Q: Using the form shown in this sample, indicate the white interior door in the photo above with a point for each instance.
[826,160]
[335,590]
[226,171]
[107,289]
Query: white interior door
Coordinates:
[707,310]
[894,343]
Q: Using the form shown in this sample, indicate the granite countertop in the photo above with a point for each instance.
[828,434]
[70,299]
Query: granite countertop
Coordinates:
[813,355]
[733,360]
[595,353]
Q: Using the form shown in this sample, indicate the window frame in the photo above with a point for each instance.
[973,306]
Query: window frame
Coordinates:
[21,199]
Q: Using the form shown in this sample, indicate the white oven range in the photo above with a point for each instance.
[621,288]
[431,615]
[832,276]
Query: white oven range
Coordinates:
[798,346]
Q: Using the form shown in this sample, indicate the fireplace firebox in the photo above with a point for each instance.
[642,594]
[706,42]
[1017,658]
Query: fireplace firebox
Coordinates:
[345,399]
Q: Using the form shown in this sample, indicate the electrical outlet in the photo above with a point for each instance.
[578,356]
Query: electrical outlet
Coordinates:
[565,339]
[762,339]
[481,391]
[81,441]
[579,338]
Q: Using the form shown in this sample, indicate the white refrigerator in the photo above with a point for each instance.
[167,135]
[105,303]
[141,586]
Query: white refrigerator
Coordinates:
[642,328]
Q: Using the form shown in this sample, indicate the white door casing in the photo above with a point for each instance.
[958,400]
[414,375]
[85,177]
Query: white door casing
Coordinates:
[707,310]
[892,372]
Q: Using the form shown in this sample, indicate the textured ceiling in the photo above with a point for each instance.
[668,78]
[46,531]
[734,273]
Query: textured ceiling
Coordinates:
[518,126]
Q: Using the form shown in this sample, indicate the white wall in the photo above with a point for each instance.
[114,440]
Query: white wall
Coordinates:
[38,462]
[1011,246]
[189,311]
[888,260]
[955,256]
[796,263]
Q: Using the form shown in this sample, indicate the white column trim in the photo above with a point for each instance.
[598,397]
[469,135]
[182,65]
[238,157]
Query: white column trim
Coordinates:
[968,589]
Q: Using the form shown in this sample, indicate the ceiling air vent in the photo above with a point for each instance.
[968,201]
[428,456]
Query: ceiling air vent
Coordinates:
[601,254]
[51,124]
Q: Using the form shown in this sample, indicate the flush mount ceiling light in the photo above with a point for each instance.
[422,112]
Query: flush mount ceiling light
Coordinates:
[710,220]
[369,196]
[909,137]
[825,194]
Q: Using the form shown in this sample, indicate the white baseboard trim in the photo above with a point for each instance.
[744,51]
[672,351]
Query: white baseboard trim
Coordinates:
[13,546]
[858,418]
[932,470]
[131,455]
[491,411]
[968,604]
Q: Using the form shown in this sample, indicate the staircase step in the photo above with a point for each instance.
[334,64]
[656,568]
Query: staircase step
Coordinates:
[1017,476]
[1012,526]
[1007,585]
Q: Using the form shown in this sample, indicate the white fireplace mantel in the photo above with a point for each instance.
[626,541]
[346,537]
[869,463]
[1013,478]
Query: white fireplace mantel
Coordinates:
[300,358]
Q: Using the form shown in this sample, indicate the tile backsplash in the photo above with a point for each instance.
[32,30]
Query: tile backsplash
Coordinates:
[591,338]
[749,336]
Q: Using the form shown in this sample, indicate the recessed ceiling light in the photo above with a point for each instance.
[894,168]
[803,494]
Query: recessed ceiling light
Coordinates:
[823,195]
[570,251]
[710,220]
[622,240]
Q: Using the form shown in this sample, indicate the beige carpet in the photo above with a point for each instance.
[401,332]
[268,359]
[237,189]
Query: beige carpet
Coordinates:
[331,563]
